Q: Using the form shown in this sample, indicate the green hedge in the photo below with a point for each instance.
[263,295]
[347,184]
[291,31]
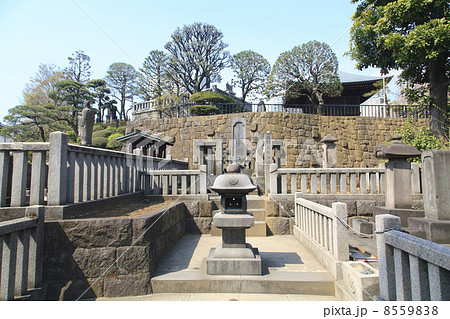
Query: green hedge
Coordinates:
[210,97]
[204,110]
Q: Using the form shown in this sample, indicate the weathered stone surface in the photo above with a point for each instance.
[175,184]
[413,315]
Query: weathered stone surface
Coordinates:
[198,225]
[75,289]
[192,208]
[133,260]
[271,208]
[279,225]
[365,207]
[205,209]
[127,285]
[95,262]
[89,233]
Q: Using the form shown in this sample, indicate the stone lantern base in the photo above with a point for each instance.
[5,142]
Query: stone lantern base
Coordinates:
[233,256]
[233,261]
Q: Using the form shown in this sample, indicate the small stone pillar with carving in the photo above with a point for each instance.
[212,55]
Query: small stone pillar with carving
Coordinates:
[329,151]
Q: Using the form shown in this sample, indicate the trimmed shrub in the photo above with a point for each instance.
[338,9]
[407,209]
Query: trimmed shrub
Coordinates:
[121,130]
[114,145]
[99,126]
[113,136]
[204,110]
[210,97]
[100,142]
[102,133]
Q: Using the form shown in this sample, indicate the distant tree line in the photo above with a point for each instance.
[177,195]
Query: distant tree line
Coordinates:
[408,35]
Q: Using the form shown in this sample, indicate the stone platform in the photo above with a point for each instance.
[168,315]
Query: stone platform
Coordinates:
[287,267]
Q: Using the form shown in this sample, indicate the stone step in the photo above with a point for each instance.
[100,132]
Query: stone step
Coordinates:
[307,283]
[258,230]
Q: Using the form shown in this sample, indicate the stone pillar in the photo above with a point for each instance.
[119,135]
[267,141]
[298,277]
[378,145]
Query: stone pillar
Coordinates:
[386,255]
[219,153]
[398,184]
[259,155]
[329,151]
[436,184]
[267,159]
[57,174]
[238,140]
[86,124]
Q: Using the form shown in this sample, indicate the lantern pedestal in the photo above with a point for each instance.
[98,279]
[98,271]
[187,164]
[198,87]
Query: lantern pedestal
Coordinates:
[233,256]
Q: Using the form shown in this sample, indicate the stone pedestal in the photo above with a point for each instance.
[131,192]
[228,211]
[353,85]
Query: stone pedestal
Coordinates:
[233,256]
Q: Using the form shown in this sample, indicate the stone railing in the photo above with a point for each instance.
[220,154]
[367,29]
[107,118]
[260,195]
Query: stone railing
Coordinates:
[323,230]
[76,173]
[333,180]
[411,268]
[21,251]
[176,182]
[15,173]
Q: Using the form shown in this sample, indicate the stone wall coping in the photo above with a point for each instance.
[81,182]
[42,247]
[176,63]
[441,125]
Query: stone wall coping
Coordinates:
[329,170]
[27,146]
[431,252]
[16,225]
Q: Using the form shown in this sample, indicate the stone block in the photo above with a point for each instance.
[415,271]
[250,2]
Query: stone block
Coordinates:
[95,262]
[271,208]
[362,226]
[365,207]
[104,232]
[127,285]
[198,225]
[133,260]
[279,226]
[192,208]
[205,208]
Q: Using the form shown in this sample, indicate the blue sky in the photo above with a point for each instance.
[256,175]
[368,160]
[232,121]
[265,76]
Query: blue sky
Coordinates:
[49,31]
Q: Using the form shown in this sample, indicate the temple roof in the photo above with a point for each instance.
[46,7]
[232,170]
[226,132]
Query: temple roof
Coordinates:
[355,78]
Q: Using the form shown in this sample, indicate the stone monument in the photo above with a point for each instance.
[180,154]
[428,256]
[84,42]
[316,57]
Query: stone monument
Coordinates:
[86,124]
[233,256]
[329,151]
[398,180]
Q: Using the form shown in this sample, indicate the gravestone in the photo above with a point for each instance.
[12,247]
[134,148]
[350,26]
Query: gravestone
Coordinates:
[238,140]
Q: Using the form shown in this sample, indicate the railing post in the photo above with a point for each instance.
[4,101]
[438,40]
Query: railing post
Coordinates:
[4,172]
[202,180]
[341,248]
[273,176]
[8,265]
[386,264]
[19,178]
[57,174]
[38,171]
[36,247]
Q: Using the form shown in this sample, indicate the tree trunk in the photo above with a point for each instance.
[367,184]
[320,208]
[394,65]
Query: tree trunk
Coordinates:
[123,116]
[438,93]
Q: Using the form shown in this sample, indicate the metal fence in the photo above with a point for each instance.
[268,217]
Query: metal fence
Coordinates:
[380,111]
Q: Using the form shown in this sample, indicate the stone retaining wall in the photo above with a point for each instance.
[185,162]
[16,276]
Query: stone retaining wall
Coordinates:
[358,136]
[108,257]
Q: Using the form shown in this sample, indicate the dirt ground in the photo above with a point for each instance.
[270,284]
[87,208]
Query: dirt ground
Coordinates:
[132,209]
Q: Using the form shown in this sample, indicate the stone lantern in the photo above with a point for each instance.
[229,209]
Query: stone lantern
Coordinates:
[398,179]
[233,256]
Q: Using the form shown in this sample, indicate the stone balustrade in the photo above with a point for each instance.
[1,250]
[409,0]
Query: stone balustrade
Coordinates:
[323,230]
[21,251]
[76,173]
[333,180]
[176,182]
[410,268]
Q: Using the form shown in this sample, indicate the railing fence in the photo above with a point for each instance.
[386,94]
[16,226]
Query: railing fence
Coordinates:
[411,268]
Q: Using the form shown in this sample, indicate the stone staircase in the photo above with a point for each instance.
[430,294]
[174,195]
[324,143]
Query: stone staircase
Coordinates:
[255,206]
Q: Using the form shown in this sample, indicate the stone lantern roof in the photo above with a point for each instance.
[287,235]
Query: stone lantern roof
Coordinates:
[233,182]
[396,150]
